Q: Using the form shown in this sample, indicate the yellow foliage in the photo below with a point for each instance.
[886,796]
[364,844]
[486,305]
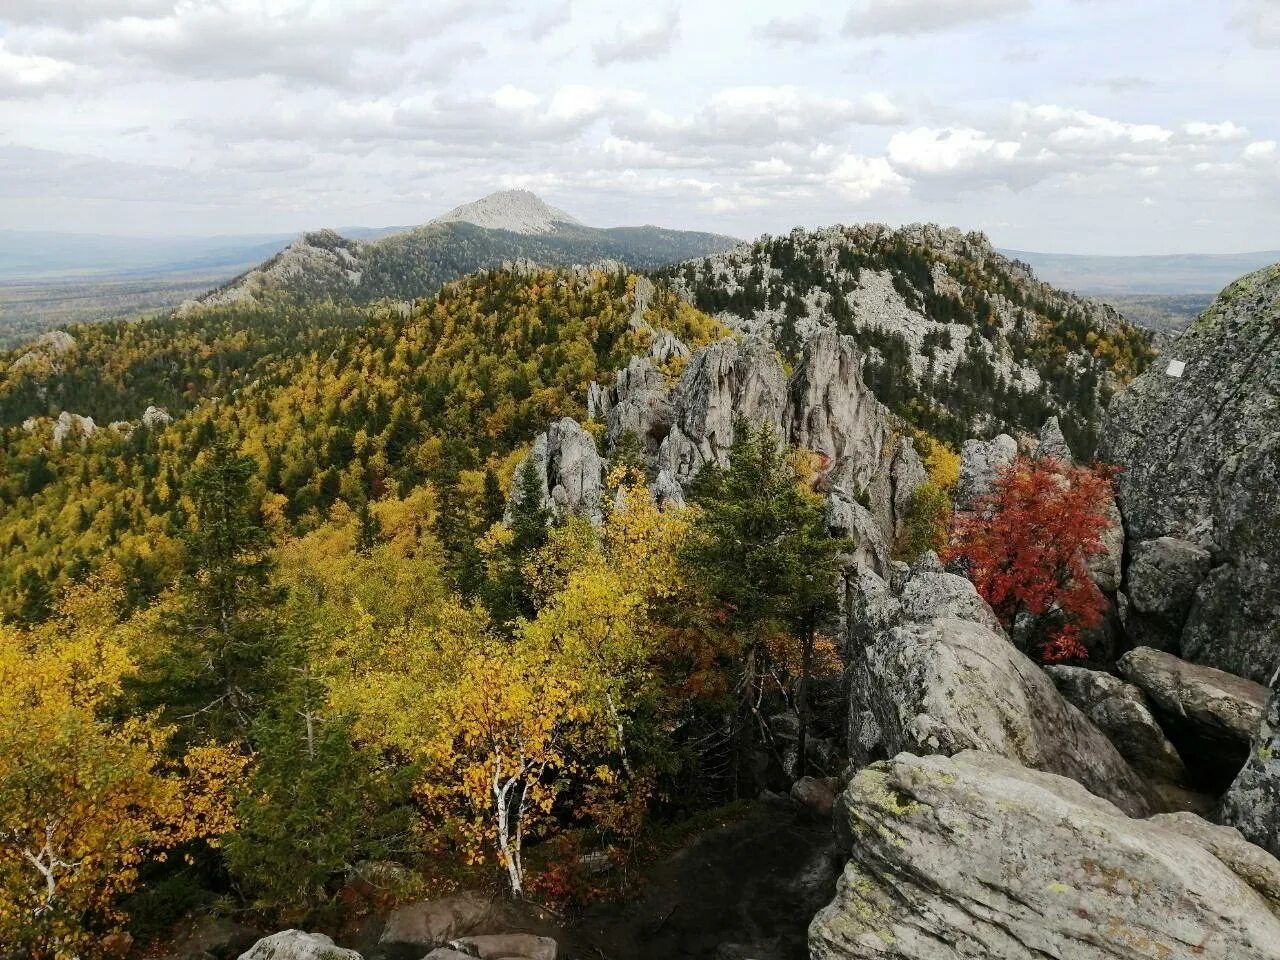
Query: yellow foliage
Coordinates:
[84,801]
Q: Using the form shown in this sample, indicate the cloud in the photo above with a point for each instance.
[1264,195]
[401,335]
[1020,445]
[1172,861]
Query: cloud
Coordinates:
[801,30]
[1259,20]
[1225,132]
[759,116]
[646,41]
[23,74]
[966,158]
[77,13]
[911,17]
[545,22]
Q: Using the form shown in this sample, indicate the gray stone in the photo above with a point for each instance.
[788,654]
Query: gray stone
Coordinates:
[722,382]
[1120,710]
[1201,459]
[415,928]
[1050,443]
[495,946]
[945,680]
[154,418]
[1218,705]
[830,410]
[1164,574]
[980,463]
[816,796]
[1252,804]
[297,945]
[847,518]
[978,857]
[569,468]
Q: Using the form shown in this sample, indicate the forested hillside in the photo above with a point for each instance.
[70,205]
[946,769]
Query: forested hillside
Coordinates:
[415,263]
[445,390]
[334,560]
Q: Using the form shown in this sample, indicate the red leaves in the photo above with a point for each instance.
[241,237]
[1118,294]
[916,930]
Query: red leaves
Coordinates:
[1027,547]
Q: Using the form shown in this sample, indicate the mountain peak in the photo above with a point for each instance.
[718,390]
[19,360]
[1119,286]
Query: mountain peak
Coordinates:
[518,211]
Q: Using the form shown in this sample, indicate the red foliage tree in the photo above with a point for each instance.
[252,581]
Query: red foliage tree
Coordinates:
[1027,547]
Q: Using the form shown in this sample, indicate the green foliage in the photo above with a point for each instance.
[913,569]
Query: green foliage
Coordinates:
[211,676]
[759,544]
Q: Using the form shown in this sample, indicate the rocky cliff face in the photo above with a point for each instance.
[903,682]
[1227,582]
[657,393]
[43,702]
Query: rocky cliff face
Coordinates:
[965,337]
[1198,437]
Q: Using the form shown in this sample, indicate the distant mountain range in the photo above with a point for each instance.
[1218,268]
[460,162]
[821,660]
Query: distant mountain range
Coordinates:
[503,226]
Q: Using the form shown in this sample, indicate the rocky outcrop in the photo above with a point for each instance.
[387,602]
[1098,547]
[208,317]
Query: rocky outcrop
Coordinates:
[1051,444]
[978,857]
[155,418]
[1120,710]
[1222,706]
[830,410]
[1253,803]
[980,462]
[942,678]
[1198,436]
[72,425]
[297,945]
[569,469]
[722,382]
[1210,715]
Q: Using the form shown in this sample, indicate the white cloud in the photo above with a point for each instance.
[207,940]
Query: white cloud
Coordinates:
[910,17]
[23,74]
[1225,132]
[926,152]
[805,29]
[1262,150]
[550,19]
[861,178]
[75,13]
[1260,22]
[636,42]
[758,116]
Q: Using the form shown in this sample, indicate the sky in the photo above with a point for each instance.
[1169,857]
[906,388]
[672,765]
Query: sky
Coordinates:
[1079,126]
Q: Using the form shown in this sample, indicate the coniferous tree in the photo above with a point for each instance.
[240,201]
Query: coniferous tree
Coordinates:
[763,554]
[211,677]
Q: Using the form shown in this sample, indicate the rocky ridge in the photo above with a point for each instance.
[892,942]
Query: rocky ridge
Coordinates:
[944,320]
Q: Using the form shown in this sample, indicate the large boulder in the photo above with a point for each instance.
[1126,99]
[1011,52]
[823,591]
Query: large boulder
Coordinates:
[511,946]
[1253,802]
[1198,437]
[1120,710]
[944,679]
[297,945]
[976,856]
[1163,576]
[415,928]
[636,403]
[1209,714]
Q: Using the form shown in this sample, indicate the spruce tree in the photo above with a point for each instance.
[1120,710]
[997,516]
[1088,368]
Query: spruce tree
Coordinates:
[761,551]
